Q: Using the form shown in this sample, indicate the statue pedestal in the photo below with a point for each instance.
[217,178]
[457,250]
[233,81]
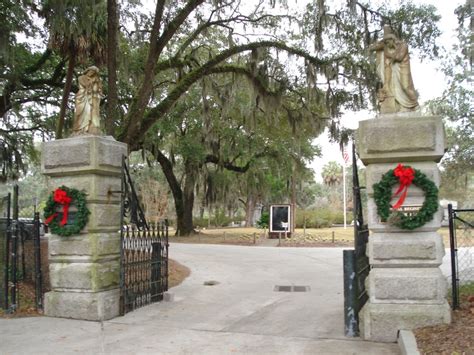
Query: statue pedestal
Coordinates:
[405,286]
[85,268]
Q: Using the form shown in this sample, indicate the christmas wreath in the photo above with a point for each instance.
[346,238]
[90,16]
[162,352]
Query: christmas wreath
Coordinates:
[66,196]
[405,176]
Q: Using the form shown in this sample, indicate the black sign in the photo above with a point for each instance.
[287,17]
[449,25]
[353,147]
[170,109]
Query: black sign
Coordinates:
[279,218]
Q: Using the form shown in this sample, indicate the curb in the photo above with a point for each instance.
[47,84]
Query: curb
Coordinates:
[407,342]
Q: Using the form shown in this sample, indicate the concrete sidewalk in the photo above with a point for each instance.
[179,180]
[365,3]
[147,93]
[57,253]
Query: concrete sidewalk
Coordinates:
[241,314]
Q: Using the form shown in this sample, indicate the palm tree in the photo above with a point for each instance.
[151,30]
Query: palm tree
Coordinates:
[332,173]
[78,33]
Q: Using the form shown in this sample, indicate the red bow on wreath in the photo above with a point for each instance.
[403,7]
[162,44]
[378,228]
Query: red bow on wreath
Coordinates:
[405,177]
[61,197]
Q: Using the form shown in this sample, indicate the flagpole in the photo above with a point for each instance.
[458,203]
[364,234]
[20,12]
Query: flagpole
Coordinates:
[344,192]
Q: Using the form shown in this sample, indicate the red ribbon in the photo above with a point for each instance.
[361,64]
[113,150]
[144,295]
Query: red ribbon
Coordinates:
[405,177]
[61,197]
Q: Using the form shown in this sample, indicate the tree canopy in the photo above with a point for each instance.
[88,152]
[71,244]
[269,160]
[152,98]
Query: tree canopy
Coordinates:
[201,86]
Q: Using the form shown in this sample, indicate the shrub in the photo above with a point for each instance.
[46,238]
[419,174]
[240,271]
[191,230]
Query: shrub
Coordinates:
[318,218]
[264,220]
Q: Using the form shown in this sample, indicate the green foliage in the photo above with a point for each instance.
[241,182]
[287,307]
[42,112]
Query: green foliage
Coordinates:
[81,216]
[455,106]
[332,173]
[264,220]
[77,28]
[383,196]
[318,218]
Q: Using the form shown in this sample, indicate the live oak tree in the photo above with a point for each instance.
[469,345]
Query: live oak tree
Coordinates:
[455,106]
[196,145]
[158,58]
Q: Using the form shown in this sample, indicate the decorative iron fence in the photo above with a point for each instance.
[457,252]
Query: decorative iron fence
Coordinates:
[144,252]
[144,272]
[461,224]
[356,262]
[20,254]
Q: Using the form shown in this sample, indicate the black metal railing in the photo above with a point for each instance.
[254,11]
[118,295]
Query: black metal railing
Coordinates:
[144,252]
[144,272]
[356,262]
[13,264]
[461,224]
[131,209]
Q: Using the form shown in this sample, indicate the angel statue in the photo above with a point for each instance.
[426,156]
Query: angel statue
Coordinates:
[87,113]
[393,67]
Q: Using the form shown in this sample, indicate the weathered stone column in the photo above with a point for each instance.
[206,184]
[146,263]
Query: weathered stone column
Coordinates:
[406,287]
[85,268]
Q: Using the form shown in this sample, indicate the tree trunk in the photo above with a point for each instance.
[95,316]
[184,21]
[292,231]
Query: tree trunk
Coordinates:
[112,94]
[67,90]
[293,203]
[249,209]
[183,199]
[185,223]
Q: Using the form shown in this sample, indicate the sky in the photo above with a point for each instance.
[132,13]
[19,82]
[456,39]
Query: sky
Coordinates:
[428,81]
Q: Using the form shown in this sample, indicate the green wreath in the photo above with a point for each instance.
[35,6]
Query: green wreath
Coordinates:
[383,197]
[65,196]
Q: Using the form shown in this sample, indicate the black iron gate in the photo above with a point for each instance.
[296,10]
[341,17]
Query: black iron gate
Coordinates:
[461,225]
[144,252]
[14,232]
[356,262]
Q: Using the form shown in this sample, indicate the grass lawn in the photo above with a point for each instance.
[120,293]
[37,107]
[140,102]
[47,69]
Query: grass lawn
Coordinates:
[335,236]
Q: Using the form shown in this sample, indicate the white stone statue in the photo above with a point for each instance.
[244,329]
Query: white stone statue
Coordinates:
[393,67]
[87,113]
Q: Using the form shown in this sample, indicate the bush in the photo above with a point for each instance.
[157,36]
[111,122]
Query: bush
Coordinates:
[201,222]
[264,220]
[318,218]
[221,220]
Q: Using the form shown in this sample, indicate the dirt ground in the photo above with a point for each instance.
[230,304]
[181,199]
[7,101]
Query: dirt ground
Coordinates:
[177,274]
[455,338]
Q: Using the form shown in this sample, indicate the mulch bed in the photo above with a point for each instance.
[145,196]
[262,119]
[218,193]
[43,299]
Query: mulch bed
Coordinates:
[177,274]
[448,339]
[27,303]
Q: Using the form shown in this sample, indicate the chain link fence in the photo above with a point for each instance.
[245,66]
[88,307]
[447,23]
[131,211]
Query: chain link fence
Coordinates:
[461,225]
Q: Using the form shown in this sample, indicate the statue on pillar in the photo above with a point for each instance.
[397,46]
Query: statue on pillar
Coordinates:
[393,67]
[87,112]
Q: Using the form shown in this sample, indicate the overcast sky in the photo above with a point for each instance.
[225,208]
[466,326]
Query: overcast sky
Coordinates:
[429,82]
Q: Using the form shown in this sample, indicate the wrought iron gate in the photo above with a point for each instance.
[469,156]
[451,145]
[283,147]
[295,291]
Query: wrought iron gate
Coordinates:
[462,249]
[14,232]
[356,262]
[144,252]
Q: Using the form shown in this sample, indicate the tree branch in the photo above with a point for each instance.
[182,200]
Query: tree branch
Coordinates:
[132,134]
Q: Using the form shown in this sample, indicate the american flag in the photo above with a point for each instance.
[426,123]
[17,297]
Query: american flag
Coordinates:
[345,156]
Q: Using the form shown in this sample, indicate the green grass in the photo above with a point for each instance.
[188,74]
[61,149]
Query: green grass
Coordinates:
[466,289]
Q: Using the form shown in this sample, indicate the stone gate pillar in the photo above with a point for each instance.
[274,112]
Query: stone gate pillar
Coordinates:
[85,268]
[406,287]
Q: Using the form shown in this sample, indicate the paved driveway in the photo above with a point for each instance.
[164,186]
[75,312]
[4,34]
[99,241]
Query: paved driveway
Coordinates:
[242,313]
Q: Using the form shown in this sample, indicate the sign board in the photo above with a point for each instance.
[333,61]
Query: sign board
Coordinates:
[280,220]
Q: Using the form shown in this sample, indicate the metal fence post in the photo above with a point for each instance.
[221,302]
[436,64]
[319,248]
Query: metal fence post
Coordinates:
[7,253]
[14,252]
[38,271]
[350,294]
[453,247]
